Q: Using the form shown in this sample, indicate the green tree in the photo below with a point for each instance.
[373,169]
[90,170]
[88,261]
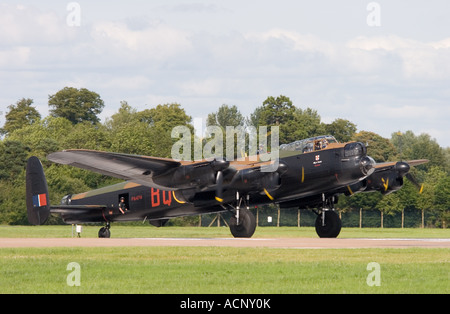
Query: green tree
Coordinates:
[447,159]
[43,137]
[125,115]
[294,123]
[427,200]
[379,148]
[161,120]
[13,158]
[167,115]
[20,115]
[276,111]
[12,202]
[146,132]
[423,146]
[87,136]
[389,204]
[229,116]
[442,200]
[408,195]
[307,123]
[366,201]
[76,105]
[343,130]
[226,116]
[134,138]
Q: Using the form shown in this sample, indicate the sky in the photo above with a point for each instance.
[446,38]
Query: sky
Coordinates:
[384,65]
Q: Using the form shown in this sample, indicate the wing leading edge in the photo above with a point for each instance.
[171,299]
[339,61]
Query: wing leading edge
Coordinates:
[140,169]
[155,172]
[389,165]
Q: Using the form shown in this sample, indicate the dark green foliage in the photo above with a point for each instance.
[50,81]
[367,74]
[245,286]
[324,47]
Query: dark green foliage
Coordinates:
[20,115]
[76,105]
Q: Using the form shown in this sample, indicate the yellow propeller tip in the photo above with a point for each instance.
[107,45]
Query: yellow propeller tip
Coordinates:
[268,195]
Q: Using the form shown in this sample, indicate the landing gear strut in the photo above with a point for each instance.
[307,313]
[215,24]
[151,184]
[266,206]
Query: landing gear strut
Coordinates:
[328,223]
[104,232]
[243,223]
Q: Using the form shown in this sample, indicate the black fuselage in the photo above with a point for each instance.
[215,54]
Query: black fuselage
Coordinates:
[308,177]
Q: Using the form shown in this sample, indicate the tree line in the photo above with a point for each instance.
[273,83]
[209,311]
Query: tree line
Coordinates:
[73,123]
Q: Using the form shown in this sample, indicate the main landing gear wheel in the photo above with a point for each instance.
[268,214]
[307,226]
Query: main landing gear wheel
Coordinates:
[246,226]
[104,232]
[328,226]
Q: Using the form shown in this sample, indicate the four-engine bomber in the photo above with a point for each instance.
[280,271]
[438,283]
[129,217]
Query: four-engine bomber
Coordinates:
[310,173]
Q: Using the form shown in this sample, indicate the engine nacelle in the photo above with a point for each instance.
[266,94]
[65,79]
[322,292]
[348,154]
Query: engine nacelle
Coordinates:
[201,174]
[255,179]
[385,183]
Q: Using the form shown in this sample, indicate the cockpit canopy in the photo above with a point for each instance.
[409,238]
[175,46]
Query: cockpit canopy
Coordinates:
[310,144]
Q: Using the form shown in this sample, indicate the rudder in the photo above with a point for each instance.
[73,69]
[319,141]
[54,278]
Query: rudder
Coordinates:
[38,202]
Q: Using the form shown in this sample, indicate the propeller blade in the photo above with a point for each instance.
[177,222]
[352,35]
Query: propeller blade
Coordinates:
[271,183]
[414,181]
[219,188]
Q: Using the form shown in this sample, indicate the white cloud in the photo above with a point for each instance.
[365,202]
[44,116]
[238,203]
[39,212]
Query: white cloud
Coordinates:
[420,60]
[380,81]
[27,25]
[14,57]
[154,43]
[405,112]
[208,87]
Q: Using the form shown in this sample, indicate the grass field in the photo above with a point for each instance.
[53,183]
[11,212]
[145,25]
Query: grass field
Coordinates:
[146,231]
[222,270]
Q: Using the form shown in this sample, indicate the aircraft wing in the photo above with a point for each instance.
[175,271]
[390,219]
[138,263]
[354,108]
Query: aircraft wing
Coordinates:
[140,169]
[389,165]
[161,173]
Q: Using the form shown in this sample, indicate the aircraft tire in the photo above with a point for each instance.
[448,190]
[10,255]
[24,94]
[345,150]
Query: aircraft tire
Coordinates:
[332,226]
[104,233]
[247,224]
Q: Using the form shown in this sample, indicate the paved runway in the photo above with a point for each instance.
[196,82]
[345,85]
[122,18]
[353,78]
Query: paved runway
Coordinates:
[293,243]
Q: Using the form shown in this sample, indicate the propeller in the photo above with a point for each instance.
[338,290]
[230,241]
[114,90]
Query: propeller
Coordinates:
[271,182]
[403,169]
[219,165]
[219,186]
[367,165]
[414,181]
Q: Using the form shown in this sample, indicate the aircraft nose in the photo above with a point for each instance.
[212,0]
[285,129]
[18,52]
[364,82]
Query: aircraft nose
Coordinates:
[367,165]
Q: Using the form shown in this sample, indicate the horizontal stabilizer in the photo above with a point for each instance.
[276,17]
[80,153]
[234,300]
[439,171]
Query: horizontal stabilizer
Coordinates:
[76,209]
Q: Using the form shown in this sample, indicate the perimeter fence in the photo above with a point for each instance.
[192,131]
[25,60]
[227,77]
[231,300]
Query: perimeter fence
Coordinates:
[272,216]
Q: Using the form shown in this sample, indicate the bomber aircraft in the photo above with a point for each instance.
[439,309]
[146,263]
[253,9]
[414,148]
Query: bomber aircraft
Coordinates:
[310,173]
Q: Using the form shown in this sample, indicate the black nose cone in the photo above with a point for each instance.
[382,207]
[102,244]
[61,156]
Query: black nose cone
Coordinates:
[402,168]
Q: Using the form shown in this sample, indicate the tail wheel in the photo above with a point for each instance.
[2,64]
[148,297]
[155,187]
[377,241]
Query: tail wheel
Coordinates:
[247,224]
[104,232]
[330,227]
